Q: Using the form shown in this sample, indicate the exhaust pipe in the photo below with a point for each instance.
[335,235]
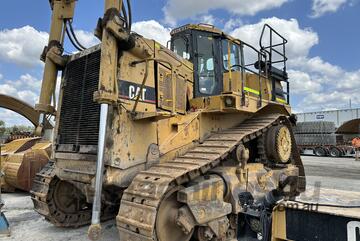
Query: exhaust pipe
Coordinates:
[94,232]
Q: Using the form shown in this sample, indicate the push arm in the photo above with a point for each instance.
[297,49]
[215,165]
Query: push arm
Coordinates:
[61,10]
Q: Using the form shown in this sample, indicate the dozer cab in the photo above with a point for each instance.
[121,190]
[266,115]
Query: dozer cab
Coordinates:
[178,144]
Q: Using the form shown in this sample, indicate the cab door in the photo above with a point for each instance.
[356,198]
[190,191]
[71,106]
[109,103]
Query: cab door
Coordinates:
[207,71]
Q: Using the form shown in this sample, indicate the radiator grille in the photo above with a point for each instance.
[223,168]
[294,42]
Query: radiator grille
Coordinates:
[79,117]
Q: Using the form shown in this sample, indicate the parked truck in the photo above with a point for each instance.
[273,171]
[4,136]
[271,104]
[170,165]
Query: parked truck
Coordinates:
[320,137]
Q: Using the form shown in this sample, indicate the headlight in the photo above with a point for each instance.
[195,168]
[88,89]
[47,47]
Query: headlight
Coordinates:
[229,101]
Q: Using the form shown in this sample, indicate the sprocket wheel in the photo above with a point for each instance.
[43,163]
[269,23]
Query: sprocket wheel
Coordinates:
[278,144]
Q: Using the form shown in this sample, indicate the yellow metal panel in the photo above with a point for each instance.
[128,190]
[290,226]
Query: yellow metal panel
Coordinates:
[128,141]
[178,131]
[14,146]
[278,225]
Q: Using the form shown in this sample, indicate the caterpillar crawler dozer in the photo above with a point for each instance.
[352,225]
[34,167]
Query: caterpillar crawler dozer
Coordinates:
[194,142]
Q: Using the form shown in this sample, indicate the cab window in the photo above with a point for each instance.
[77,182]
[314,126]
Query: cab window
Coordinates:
[234,56]
[206,70]
[181,47]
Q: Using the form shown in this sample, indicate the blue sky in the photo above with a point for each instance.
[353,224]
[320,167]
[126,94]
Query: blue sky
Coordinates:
[323,49]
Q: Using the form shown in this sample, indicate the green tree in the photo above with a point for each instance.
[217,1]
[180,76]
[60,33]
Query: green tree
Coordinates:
[2,128]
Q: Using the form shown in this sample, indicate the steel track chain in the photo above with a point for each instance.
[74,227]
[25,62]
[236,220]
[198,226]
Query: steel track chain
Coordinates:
[136,220]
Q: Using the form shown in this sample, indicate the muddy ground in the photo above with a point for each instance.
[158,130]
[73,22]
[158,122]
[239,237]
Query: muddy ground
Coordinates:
[338,179]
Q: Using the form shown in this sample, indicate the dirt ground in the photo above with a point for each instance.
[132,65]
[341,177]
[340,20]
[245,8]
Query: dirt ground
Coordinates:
[338,179]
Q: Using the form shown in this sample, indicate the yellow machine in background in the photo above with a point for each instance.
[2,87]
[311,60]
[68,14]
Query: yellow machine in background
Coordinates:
[20,161]
[25,154]
[181,144]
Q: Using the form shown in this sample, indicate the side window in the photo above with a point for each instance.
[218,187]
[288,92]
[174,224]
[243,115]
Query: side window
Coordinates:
[234,56]
[181,47]
[206,65]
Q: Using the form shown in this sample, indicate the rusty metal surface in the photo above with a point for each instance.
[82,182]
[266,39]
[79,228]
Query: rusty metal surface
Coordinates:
[20,107]
[350,127]
[140,203]
[22,159]
[20,169]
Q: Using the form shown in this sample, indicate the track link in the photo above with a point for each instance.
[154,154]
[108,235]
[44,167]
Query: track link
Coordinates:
[136,220]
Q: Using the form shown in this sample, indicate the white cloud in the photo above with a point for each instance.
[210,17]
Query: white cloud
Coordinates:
[87,39]
[28,96]
[232,23]
[335,99]
[338,86]
[350,81]
[316,65]
[321,7]
[181,9]
[208,19]
[153,30]
[301,40]
[11,118]
[26,81]
[7,89]
[25,88]
[22,46]
[302,83]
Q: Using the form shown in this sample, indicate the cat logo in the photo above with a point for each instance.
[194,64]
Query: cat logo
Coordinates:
[131,91]
[353,231]
[135,91]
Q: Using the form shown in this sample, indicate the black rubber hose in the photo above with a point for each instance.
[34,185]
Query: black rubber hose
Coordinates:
[72,40]
[74,36]
[130,14]
[125,16]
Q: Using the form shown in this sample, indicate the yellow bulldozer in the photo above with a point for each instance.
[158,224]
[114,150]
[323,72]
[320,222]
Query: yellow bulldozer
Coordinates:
[191,142]
[24,153]
[20,160]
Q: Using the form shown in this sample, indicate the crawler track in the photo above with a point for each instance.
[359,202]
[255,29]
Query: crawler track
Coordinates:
[42,195]
[136,220]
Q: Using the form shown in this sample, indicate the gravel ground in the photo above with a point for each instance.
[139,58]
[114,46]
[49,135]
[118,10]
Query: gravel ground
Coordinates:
[27,225]
[338,178]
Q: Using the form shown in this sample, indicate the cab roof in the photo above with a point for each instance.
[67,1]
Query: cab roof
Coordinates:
[201,27]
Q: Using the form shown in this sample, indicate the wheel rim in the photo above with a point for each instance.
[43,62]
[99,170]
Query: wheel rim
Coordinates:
[334,152]
[284,144]
[166,227]
[320,152]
